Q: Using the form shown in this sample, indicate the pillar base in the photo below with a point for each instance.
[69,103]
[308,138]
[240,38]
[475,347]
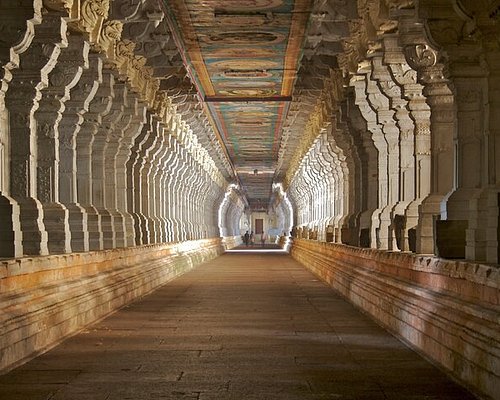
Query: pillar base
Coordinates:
[10,228]
[56,220]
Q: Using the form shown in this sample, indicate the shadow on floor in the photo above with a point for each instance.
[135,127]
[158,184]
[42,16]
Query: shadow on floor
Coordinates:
[256,248]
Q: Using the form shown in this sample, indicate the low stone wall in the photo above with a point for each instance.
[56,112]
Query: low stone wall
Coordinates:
[285,242]
[45,299]
[447,310]
[230,242]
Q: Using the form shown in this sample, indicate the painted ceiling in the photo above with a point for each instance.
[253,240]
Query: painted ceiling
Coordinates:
[243,57]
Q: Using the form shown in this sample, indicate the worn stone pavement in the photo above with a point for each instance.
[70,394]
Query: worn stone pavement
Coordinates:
[244,326]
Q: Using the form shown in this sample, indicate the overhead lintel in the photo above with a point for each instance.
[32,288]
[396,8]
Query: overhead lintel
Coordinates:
[226,99]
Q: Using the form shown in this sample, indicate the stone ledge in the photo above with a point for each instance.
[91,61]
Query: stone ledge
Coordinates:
[230,242]
[447,310]
[56,296]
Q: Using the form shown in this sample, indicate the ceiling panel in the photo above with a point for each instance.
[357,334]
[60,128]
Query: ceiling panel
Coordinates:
[243,56]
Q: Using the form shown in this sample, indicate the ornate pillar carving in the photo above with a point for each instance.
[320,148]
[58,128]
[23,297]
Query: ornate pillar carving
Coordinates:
[486,214]
[17,29]
[167,185]
[125,188]
[401,77]
[418,129]
[134,181]
[87,167]
[360,85]
[467,32]
[120,118]
[103,184]
[173,192]
[439,96]
[69,127]
[380,103]
[17,34]
[22,101]
[470,81]
[348,142]
[52,141]
[150,171]
[367,193]
[144,170]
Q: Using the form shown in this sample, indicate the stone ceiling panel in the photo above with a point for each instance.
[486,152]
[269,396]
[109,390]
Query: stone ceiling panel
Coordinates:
[243,57]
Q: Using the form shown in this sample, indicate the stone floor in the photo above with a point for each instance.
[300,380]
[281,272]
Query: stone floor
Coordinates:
[248,325]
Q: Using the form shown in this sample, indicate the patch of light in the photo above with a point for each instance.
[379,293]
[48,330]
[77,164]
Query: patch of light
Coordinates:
[249,251]
[287,244]
[279,186]
[232,186]
[187,246]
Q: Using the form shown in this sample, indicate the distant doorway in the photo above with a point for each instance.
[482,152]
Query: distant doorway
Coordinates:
[259,226]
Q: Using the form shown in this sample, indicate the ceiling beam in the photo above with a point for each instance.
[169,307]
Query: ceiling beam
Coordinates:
[223,99]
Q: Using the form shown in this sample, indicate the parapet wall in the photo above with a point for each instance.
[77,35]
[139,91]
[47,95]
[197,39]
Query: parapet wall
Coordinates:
[447,310]
[230,242]
[45,299]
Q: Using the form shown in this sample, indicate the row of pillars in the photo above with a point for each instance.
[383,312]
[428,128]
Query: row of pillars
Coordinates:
[408,159]
[85,163]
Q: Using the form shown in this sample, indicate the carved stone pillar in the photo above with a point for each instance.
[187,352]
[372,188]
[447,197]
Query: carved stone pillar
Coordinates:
[197,205]
[86,169]
[360,84]
[485,219]
[125,188]
[350,146]
[133,179]
[340,185]
[166,188]
[367,195]
[379,101]
[398,132]
[22,100]
[471,94]
[439,96]
[17,29]
[412,114]
[144,180]
[69,127]
[190,191]
[470,81]
[173,192]
[52,142]
[150,171]
[418,132]
[17,22]
[326,167]
[179,193]
[115,126]
[467,32]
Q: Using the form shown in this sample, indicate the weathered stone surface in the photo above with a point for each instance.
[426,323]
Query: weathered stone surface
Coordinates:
[388,131]
[448,310]
[46,299]
[243,326]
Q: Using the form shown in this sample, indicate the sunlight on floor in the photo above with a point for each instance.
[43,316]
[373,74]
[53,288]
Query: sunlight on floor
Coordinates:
[254,250]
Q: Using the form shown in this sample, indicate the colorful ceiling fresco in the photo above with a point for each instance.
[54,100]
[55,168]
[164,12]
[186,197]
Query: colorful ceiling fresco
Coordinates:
[243,56]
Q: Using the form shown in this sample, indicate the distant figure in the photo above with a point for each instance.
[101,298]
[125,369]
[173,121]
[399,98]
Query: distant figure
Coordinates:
[252,239]
[246,238]
[263,239]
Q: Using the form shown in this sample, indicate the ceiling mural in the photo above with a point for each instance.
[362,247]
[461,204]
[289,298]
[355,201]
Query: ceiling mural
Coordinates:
[243,56]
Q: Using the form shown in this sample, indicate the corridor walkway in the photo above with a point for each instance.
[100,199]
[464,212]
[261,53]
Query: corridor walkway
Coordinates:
[248,325]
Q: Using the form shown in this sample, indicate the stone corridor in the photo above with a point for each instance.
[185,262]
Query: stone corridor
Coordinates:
[140,139]
[248,325]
